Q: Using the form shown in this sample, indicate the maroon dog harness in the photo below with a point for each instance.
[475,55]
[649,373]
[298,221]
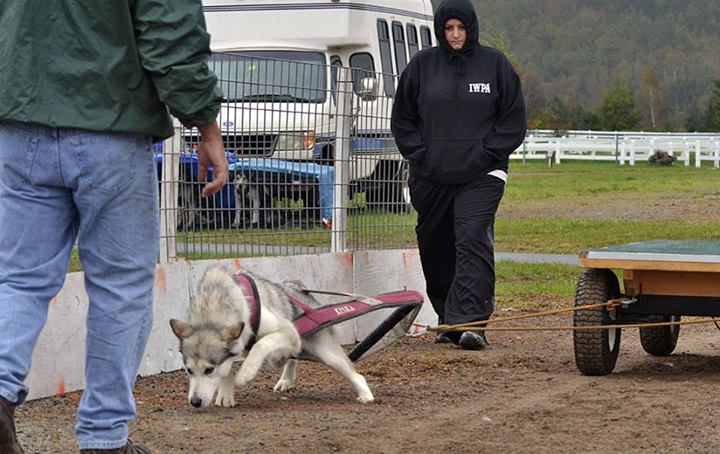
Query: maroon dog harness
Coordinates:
[406,303]
[253,299]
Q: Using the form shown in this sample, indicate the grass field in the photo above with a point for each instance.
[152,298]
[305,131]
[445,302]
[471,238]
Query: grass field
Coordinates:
[582,182]
[561,209]
[533,285]
[570,236]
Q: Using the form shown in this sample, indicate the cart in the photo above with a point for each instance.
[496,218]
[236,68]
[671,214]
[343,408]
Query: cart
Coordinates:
[662,281]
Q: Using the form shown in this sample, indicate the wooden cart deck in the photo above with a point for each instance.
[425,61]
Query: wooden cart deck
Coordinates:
[669,268]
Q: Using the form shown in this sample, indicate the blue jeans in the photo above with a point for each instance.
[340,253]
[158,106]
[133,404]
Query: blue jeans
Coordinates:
[58,186]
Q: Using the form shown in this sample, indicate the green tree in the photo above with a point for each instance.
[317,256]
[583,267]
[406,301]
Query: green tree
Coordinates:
[693,122]
[618,111]
[543,119]
[653,99]
[590,120]
[564,112]
[709,118]
[715,106]
[533,93]
[492,37]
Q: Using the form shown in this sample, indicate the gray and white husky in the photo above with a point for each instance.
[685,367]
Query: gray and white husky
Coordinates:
[218,330]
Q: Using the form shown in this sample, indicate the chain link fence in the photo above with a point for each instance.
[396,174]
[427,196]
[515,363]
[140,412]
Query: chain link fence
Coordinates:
[313,165]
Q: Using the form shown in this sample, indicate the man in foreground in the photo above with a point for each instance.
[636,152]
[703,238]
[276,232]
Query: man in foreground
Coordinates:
[86,90]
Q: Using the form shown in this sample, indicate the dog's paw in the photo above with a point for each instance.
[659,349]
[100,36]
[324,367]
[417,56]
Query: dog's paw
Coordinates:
[225,400]
[284,385]
[242,379]
[366,398]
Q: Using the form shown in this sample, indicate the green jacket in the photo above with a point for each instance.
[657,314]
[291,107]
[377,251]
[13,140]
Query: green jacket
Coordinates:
[106,65]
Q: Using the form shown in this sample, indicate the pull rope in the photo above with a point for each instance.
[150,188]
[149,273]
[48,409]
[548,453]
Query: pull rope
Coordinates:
[593,327]
[465,326]
[481,325]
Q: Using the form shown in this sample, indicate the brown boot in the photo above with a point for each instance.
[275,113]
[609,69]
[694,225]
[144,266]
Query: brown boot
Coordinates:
[129,448]
[8,438]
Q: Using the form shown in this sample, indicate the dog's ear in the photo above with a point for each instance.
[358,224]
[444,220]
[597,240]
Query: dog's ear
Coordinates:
[181,329]
[231,333]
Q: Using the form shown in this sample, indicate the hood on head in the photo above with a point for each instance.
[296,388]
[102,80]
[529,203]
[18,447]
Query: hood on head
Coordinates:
[463,11]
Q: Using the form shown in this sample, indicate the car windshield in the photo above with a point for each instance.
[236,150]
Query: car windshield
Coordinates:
[271,76]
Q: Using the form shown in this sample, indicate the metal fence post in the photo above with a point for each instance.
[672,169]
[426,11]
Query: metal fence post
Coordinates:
[344,120]
[617,149]
[169,183]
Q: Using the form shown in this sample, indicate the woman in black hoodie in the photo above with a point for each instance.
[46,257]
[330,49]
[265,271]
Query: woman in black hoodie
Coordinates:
[458,114]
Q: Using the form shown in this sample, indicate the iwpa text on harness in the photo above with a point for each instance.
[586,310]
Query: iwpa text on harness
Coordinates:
[479,88]
[344,310]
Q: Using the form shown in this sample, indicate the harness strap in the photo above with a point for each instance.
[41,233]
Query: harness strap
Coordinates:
[315,319]
[253,299]
[407,303]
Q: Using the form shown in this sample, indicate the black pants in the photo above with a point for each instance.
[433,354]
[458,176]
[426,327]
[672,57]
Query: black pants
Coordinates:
[455,237]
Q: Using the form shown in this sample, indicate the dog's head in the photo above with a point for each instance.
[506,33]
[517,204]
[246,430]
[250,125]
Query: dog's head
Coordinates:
[207,357]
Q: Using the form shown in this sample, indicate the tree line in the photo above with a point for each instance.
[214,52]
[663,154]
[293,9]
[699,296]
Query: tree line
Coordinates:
[611,64]
[620,109]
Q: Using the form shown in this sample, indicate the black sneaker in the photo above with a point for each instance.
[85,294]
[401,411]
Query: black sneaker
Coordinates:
[473,340]
[443,338]
[8,439]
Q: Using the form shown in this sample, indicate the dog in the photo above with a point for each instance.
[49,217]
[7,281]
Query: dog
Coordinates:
[218,331]
[248,206]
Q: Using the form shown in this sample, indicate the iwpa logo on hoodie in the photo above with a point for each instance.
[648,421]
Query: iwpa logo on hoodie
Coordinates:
[479,88]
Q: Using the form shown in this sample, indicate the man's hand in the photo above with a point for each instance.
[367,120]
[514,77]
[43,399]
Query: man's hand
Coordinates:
[212,153]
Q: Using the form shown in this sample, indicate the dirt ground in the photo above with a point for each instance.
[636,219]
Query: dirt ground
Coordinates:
[625,207]
[523,394]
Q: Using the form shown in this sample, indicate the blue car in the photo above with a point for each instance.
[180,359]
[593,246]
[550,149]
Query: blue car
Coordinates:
[261,192]
[268,185]
[211,211]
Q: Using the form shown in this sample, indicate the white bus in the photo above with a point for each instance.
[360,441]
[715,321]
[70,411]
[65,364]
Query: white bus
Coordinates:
[277,62]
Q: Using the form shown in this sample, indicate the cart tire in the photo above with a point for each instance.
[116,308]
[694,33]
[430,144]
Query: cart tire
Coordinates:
[596,351]
[661,340]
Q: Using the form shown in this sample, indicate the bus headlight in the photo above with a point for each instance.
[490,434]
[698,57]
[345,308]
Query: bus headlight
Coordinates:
[295,141]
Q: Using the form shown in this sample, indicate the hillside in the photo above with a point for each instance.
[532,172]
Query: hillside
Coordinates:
[577,49]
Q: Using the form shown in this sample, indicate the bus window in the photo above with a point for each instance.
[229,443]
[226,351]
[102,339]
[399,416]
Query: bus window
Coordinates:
[271,76]
[399,41]
[425,37]
[386,58]
[412,40]
[363,66]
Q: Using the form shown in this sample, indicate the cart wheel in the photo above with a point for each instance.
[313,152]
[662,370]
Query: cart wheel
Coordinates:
[660,341]
[596,351]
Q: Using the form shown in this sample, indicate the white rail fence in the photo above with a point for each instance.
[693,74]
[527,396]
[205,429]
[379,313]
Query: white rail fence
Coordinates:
[621,147]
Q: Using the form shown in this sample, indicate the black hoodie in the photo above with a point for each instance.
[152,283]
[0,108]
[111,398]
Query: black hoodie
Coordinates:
[458,114]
